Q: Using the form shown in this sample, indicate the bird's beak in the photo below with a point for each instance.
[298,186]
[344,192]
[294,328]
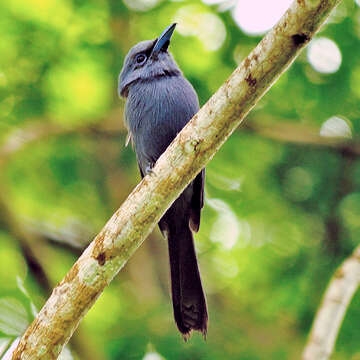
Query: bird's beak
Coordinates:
[163,40]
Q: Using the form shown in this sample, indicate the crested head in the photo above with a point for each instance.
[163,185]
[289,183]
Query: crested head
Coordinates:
[148,60]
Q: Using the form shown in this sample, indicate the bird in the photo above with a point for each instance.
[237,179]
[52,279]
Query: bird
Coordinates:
[160,101]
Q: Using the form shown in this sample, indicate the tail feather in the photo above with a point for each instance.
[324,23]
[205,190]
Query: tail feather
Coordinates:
[188,297]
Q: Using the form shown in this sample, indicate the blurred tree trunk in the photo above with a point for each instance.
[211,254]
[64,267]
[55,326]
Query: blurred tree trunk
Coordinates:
[333,224]
[331,313]
[192,149]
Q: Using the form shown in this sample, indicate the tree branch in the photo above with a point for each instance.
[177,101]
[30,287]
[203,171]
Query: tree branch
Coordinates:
[295,133]
[192,149]
[332,310]
[42,129]
[285,132]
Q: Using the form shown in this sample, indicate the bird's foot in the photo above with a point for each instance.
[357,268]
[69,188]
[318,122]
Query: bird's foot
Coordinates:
[148,169]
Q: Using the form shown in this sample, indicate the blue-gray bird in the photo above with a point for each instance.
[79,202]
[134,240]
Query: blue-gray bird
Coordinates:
[159,103]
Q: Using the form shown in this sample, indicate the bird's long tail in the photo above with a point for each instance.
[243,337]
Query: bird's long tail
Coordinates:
[187,293]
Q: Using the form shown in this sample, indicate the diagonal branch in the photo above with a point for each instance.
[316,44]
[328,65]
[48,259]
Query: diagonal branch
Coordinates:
[331,313]
[192,149]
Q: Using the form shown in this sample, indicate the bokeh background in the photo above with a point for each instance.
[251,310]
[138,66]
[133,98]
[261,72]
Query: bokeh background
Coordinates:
[282,204]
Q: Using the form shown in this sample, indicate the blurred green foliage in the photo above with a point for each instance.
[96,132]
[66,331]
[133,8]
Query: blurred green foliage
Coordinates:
[280,216]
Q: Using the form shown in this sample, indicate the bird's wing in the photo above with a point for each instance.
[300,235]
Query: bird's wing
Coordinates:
[197,201]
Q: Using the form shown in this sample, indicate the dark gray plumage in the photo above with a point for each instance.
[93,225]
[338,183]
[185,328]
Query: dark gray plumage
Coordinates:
[160,101]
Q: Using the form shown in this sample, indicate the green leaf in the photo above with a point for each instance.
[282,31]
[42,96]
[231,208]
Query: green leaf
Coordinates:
[66,354]
[13,317]
[4,344]
[21,286]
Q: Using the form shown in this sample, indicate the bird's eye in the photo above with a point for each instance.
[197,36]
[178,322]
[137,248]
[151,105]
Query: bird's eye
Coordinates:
[140,58]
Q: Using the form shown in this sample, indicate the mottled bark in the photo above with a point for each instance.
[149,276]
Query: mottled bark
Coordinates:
[192,149]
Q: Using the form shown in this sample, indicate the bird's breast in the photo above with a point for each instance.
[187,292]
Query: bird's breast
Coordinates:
[157,110]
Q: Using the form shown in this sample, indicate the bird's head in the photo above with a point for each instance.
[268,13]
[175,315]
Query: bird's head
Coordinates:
[148,60]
